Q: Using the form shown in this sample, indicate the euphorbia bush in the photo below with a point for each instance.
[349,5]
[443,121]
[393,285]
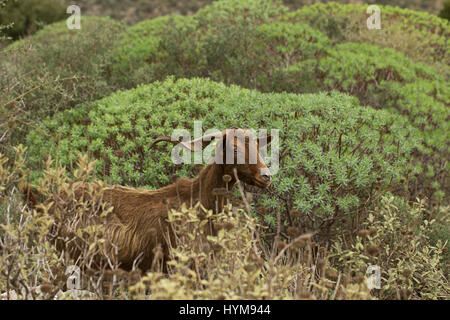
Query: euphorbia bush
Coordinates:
[266,48]
[53,70]
[384,78]
[419,35]
[338,155]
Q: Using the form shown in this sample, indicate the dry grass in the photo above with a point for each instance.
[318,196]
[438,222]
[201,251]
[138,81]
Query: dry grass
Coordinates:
[240,262]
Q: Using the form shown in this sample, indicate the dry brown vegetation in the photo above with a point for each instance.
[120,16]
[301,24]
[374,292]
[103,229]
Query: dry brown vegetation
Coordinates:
[239,261]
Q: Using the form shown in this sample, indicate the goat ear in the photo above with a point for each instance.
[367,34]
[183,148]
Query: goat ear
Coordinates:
[264,140]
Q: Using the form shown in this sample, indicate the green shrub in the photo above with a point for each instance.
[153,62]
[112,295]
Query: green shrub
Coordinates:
[257,44]
[133,11]
[358,69]
[28,16]
[293,42]
[384,78]
[254,49]
[419,35]
[139,56]
[236,42]
[55,69]
[4,27]
[339,155]
[431,6]
[249,42]
[350,63]
[445,12]
[221,42]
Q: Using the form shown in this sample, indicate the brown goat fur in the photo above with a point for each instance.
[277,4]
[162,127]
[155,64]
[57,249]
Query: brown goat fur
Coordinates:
[138,222]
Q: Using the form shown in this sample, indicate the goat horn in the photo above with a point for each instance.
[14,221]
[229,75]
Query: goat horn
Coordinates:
[190,145]
[163,138]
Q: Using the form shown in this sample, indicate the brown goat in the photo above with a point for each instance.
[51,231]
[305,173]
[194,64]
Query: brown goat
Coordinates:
[138,222]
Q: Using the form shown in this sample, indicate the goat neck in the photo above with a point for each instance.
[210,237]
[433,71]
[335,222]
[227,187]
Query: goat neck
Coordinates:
[210,178]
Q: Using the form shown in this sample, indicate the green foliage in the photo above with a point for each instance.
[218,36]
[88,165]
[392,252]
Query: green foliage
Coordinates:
[229,46]
[339,154]
[384,78]
[431,6]
[73,68]
[445,12]
[239,41]
[252,10]
[317,48]
[139,50]
[133,11]
[3,27]
[28,16]
[218,42]
[419,35]
[293,42]
[359,69]
[349,63]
